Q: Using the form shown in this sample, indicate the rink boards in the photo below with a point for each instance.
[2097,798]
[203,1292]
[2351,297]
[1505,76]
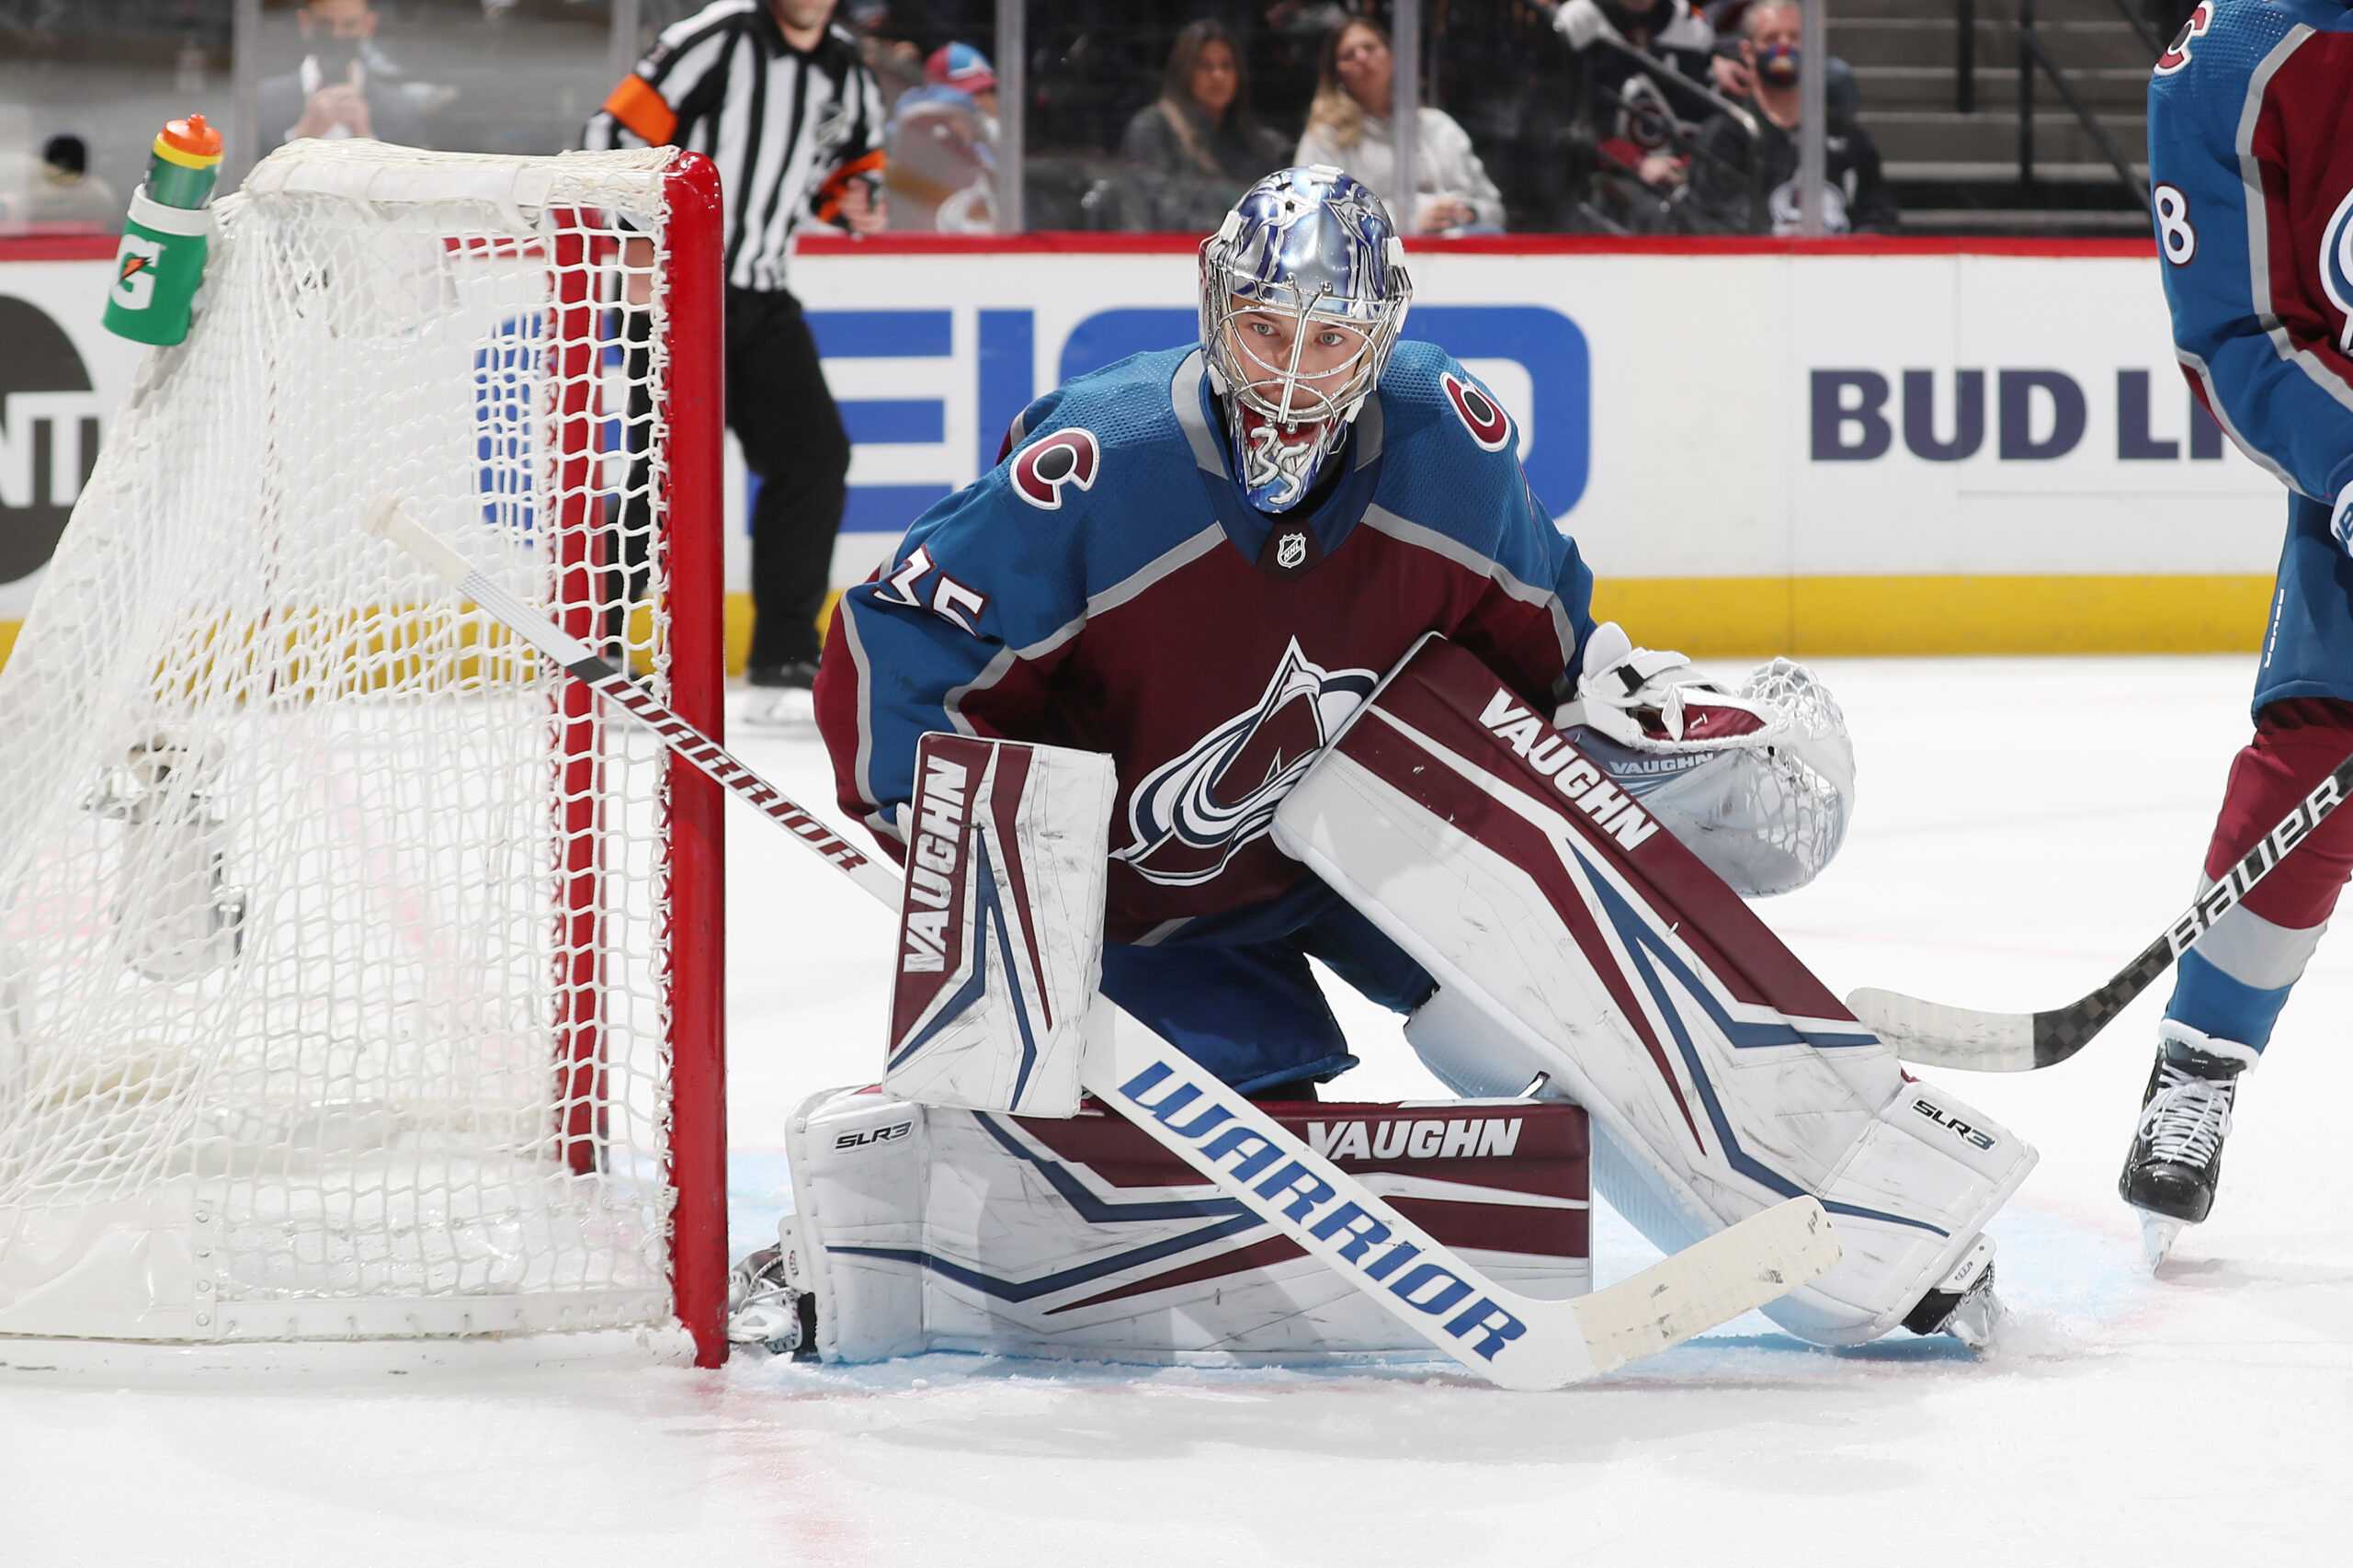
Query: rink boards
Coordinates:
[1875,446]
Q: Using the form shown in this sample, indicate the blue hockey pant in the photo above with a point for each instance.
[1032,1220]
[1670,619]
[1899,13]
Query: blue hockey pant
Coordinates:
[1234,992]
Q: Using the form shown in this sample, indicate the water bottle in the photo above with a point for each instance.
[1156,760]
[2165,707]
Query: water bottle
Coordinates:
[161,260]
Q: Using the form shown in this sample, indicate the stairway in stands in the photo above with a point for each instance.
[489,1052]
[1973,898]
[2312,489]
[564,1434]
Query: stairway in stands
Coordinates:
[1955,169]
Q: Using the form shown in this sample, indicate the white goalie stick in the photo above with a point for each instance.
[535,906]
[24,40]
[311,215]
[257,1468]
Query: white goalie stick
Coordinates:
[1513,1340]
[1939,1036]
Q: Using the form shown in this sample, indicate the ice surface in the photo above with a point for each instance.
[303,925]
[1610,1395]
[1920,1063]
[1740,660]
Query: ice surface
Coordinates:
[2025,825]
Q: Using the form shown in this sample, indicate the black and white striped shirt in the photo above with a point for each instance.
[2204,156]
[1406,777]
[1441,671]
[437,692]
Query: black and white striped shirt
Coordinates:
[789,130]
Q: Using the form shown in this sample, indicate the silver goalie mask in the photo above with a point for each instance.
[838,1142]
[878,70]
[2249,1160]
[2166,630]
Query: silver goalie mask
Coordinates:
[1303,290]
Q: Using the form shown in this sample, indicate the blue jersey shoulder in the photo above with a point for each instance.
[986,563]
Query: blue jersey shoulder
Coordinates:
[2203,76]
[1099,482]
[1125,404]
[1450,450]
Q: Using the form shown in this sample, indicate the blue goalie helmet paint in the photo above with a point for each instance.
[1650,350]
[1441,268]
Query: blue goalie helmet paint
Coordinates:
[1303,290]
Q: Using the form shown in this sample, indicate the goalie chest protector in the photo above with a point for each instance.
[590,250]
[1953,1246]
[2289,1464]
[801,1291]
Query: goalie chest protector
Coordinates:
[938,1229]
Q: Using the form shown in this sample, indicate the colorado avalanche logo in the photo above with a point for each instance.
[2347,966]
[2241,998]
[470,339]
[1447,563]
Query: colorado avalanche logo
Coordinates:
[1488,424]
[1066,456]
[1194,812]
[2176,54]
[2337,269]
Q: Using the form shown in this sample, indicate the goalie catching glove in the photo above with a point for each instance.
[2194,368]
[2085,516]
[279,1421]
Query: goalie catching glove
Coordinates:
[1758,783]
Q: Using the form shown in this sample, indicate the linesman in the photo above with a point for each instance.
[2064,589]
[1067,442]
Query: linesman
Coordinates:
[777,95]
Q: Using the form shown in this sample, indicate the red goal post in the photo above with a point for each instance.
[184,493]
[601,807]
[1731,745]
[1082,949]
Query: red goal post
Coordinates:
[698,841]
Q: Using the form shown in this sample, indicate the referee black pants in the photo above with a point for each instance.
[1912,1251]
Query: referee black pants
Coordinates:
[791,434]
[792,438]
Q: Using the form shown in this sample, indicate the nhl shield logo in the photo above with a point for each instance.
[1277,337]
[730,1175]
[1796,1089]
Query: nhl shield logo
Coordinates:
[1291,552]
[1194,812]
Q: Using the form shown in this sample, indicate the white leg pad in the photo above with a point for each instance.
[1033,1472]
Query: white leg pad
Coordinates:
[1576,943]
[928,1227]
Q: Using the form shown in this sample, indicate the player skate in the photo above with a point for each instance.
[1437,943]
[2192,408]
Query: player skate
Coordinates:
[2176,1158]
[779,701]
[770,1301]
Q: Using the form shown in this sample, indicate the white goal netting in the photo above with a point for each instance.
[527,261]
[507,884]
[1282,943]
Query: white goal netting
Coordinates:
[332,992]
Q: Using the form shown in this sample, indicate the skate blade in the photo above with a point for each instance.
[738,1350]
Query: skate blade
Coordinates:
[2157,1235]
[1977,1322]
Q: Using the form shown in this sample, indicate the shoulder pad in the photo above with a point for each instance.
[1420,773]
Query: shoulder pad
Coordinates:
[1121,405]
[1424,392]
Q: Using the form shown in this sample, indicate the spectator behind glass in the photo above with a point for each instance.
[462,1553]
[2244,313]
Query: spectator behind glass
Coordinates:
[896,63]
[1727,183]
[966,69]
[1734,79]
[1347,126]
[339,89]
[1197,149]
[940,158]
[63,189]
[1648,127]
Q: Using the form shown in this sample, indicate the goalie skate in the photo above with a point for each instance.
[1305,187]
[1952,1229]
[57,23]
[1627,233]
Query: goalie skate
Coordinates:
[1963,1305]
[771,1302]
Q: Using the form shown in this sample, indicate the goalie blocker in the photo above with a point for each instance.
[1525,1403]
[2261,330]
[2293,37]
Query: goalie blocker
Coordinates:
[1577,944]
[1000,926]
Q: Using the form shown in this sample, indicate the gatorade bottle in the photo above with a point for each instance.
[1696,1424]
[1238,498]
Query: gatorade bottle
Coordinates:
[161,260]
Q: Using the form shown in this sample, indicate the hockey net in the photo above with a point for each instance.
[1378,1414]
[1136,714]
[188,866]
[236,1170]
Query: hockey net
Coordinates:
[357,979]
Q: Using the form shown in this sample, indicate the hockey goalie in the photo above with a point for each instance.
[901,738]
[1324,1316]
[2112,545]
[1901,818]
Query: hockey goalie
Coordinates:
[1260,651]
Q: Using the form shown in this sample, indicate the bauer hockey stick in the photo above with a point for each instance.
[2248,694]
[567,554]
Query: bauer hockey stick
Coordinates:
[1516,1341]
[1930,1033]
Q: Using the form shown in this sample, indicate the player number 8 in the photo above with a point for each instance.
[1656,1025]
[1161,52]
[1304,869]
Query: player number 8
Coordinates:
[2176,233]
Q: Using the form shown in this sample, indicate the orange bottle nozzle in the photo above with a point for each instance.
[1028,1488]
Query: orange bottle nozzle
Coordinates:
[189,141]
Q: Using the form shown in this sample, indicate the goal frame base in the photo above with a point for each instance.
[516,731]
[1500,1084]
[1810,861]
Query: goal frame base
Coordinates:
[230,1363]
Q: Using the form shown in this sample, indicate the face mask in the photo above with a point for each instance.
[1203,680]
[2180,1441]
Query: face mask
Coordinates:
[1777,66]
[1277,466]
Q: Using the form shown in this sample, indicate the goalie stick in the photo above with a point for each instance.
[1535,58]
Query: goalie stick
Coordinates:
[1935,1035]
[1514,1341]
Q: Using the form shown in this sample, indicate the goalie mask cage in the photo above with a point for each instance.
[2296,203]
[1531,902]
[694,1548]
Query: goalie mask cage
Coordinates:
[358,979]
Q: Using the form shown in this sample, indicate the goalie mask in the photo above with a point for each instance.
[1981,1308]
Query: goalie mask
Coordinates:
[1304,289]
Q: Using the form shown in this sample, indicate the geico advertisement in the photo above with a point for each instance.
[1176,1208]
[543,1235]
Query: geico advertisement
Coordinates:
[1682,416]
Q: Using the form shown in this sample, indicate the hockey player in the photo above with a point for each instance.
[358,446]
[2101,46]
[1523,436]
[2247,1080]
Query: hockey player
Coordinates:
[2251,164]
[1159,572]
[1201,562]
